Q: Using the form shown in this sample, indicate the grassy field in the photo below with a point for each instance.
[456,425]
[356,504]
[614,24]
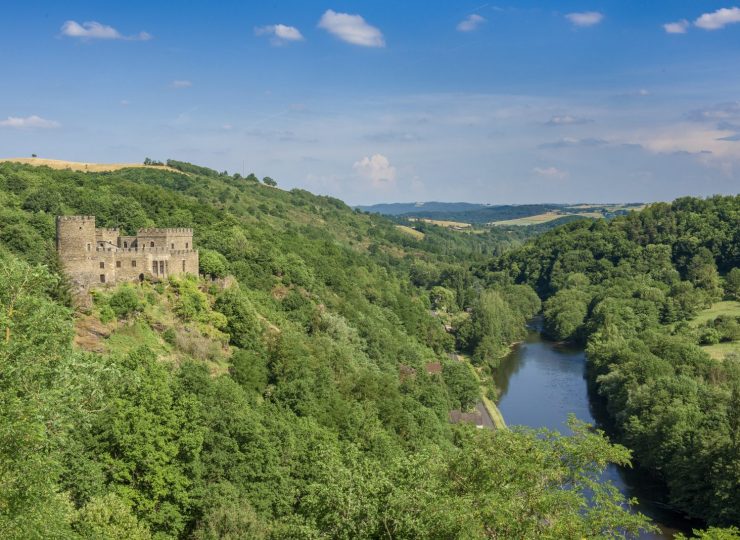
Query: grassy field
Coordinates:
[443,223]
[413,232]
[721,350]
[532,220]
[81,166]
[727,307]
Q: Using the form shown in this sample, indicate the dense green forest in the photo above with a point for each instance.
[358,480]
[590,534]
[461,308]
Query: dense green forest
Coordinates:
[645,292]
[281,394]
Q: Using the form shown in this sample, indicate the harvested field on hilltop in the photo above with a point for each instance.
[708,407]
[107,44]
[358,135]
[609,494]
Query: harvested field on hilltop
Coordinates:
[81,166]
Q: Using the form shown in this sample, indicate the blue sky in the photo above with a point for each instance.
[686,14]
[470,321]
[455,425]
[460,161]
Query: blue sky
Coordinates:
[514,102]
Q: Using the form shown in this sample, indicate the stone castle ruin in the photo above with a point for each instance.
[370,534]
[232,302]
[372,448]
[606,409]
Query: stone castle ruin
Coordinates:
[94,257]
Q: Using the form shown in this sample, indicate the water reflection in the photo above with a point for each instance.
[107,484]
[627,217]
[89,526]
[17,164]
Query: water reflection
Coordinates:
[540,383]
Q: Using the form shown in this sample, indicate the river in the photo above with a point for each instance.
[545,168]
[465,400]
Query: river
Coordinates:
[539,383]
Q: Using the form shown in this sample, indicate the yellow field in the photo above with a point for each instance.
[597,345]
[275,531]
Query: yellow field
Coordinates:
[531,220]
[81,166]
[413,232]
[443,223]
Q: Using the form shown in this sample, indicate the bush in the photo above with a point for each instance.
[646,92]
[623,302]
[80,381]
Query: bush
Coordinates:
[170,336]
[709,336]
[124,302]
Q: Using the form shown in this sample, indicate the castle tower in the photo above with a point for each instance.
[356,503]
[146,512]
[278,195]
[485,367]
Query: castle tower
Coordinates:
[76,236]
[76,248]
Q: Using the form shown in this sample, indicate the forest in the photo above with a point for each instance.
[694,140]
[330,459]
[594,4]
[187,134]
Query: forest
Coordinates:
[283,393]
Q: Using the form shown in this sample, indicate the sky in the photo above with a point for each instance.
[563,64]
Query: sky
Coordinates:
[380,101]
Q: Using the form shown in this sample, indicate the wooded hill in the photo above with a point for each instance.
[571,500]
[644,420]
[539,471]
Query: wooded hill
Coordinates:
[283,394]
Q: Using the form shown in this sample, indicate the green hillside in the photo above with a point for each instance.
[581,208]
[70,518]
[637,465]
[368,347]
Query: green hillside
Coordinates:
[284,393]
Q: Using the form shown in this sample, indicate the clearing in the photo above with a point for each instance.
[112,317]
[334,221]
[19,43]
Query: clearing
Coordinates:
[726,307]
[729,308]
[413,232]
[443,223]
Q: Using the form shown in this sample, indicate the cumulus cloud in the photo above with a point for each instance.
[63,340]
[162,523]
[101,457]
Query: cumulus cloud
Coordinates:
[351,28]
[678,27]
[585,18]
[718,19]
[470,23]
[280,34]
[377,169]
[181,84]
[550,172]
[29,122]
[567,120]
[95,30]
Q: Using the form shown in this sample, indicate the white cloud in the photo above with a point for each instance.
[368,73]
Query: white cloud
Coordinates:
[567,120]
[96,30]
[470,23]
[678,27]
[377,169]
[280,34]
[718,19]
[181,84]
[585,18]
[29,122]
[550,172]
[351,28]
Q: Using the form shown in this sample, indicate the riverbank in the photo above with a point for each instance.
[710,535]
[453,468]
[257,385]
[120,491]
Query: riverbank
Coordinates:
[485,405]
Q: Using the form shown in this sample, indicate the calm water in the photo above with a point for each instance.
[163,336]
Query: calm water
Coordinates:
[540,383]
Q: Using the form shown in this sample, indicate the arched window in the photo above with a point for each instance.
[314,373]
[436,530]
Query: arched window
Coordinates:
[151,244]
[125,244]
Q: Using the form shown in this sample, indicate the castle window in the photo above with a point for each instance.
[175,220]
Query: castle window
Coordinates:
[183,265]
[187,245]
[125,244]
[118,264]
[133,264]
[102,265]
[155,266]
[89,247]
[151,244]
[102,278]
[173,246]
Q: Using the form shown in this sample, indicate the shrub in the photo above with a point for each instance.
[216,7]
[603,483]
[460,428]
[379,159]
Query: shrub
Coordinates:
[124,302]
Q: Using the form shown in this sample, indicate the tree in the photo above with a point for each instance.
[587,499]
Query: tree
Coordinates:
[269,181]
[212,263]
[732,284]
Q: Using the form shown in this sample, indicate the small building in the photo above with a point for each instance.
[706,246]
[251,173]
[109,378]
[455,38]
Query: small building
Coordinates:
[97,257]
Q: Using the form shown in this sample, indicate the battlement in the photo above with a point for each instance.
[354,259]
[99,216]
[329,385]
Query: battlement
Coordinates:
[155,250]
[106,230]
[155,230]
[75,218]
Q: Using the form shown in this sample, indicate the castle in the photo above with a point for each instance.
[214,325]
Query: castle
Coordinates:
[94,257]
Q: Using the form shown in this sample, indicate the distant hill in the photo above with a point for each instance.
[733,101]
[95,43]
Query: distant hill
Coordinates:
[416,209]
[509,214]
